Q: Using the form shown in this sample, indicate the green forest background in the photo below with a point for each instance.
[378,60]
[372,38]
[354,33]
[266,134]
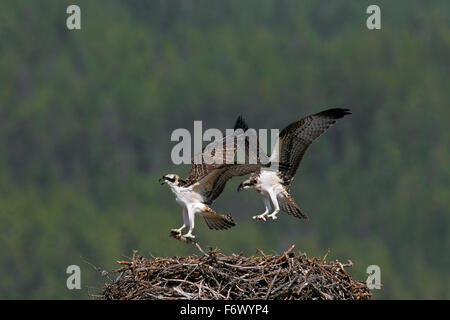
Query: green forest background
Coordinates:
[86,118]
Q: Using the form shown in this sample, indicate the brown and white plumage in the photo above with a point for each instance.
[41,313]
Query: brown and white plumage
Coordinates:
[293,141]
[206,181]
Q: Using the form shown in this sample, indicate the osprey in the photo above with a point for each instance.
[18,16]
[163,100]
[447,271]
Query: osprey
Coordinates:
[292,142]
[205,182]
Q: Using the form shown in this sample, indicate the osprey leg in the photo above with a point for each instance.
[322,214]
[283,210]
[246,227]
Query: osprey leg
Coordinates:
[191,215]
[274,199]
[263,215]
[185,222]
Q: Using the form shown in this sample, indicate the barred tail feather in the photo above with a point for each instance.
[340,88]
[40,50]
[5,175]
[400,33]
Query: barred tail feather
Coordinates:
[288,205]
[217,221]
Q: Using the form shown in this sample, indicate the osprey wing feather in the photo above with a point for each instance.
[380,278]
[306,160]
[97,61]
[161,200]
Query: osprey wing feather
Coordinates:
[212,185]
[296,138]
[218,152]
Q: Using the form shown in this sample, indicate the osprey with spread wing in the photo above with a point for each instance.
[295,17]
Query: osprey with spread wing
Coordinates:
[289,150]
[206,181]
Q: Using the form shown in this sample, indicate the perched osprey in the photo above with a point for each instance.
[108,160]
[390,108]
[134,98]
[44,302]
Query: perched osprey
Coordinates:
[293,142]
[205,182]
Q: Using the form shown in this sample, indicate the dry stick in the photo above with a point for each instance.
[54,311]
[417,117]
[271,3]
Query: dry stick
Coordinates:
[271,284]
[201,250]
[285,254]
[261,252]
[325,256]
[185,294]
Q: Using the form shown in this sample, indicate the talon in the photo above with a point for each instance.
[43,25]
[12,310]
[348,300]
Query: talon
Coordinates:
[260,217]
[189,235]
[178,231]
[273,216]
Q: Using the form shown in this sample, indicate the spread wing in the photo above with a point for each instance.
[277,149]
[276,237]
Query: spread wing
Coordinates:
[217,221]
[219,152]
[212,185]
[296,138]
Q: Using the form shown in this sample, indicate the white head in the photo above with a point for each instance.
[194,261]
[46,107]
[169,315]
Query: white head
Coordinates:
[251,183]
[171,179]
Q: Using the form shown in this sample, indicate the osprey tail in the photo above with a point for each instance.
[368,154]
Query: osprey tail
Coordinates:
[217,221]
[287,204]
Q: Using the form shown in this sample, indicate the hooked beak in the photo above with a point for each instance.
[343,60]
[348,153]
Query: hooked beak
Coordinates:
[240,187]
[161,180]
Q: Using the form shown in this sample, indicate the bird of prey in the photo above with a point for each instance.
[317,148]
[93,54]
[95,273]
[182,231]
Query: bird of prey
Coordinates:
[206,181]
[292,143]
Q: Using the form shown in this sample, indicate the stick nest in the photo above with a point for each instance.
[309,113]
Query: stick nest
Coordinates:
[289,276]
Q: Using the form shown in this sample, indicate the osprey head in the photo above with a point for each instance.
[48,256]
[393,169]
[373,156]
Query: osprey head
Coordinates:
[250,183]
[171,179]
